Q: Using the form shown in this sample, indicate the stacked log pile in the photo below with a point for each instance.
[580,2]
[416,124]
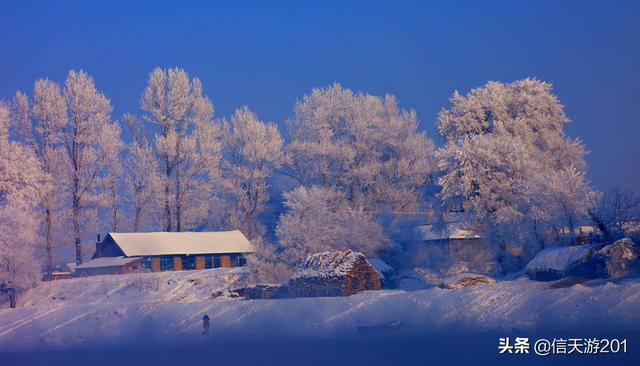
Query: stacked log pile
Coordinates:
[264,291]
[337,273]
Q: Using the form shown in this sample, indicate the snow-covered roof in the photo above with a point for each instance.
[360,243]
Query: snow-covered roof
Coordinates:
[453,230]
[107,262]
[380,265]
[164,243]
[558,258]
[327,264]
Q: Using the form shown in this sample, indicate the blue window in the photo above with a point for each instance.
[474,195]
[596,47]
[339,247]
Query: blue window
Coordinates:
[146,263]
[188,262]
[166,263]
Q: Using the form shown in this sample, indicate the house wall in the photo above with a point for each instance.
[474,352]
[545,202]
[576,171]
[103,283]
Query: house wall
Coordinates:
[225,261]
[129,268]
[200,262]
[60,276]
[108,248]
[177,263]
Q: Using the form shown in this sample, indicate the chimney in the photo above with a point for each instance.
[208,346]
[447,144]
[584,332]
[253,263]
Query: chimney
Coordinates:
[98,248]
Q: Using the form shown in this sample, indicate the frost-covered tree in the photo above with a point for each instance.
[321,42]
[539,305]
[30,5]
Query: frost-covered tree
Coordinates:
[319,219]
[88,136]
[23,185]
[266,263]
[39,124]
[355,155]
[252,149]
[142,184]
[19,265]
[187,145]
[362,145]
[507,156]
[112,182]
[614,212]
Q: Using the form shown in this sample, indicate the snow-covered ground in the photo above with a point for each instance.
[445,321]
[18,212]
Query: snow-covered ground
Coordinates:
[168,307]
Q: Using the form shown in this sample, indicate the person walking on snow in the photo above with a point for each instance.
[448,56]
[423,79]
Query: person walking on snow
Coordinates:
[205,325]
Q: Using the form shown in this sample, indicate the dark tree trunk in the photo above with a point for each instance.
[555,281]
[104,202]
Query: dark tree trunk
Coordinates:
[136,220]
[178,205]
[76,225]
[12,298]
[47,223]
[167,197]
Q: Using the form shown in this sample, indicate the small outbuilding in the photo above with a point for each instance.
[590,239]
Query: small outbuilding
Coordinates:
[337,273]
[109,265]
[554,263]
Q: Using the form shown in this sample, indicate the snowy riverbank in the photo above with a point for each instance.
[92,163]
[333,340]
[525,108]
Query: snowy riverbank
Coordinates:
[168,307]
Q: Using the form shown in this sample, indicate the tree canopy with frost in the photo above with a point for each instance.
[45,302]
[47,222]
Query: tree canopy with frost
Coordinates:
[23,184]
[362,145]
[507,156]
[615,212]
[252,149]
[320,219]
[39,124]
[355,155]
[88,138]
[142,184]
[187,145]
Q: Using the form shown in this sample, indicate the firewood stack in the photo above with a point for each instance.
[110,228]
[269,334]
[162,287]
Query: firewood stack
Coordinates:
[338,273]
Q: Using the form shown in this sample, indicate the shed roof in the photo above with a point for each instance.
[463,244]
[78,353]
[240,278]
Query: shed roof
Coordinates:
[558,258]
[327,264]
[107,262]
[453,230]
[165,243]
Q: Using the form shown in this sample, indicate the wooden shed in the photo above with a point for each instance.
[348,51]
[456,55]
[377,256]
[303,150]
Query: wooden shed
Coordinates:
[337,273]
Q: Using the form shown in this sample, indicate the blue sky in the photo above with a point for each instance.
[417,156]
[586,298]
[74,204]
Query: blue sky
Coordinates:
[268,54]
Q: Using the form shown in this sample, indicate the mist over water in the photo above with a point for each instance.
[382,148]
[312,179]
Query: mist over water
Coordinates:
[361,349]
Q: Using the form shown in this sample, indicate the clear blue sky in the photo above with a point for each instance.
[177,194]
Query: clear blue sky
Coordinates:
[267,55]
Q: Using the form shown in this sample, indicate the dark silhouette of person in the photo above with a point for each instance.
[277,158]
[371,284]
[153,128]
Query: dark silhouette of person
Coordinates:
[205,325]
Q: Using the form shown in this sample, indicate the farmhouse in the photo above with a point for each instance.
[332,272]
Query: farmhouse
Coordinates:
[166,251]
[455,239]
[339,273]
[442,245]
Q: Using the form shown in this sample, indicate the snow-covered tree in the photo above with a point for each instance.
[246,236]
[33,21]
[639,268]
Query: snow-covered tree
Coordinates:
[319,219]
[356,156]
[252,149]
[39,125]
[187,145]
[19,265]
[112,182]
[507,156]
[614,212]
[88,136]
[142,184]
[23,185]
[266,263]
[363,145]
